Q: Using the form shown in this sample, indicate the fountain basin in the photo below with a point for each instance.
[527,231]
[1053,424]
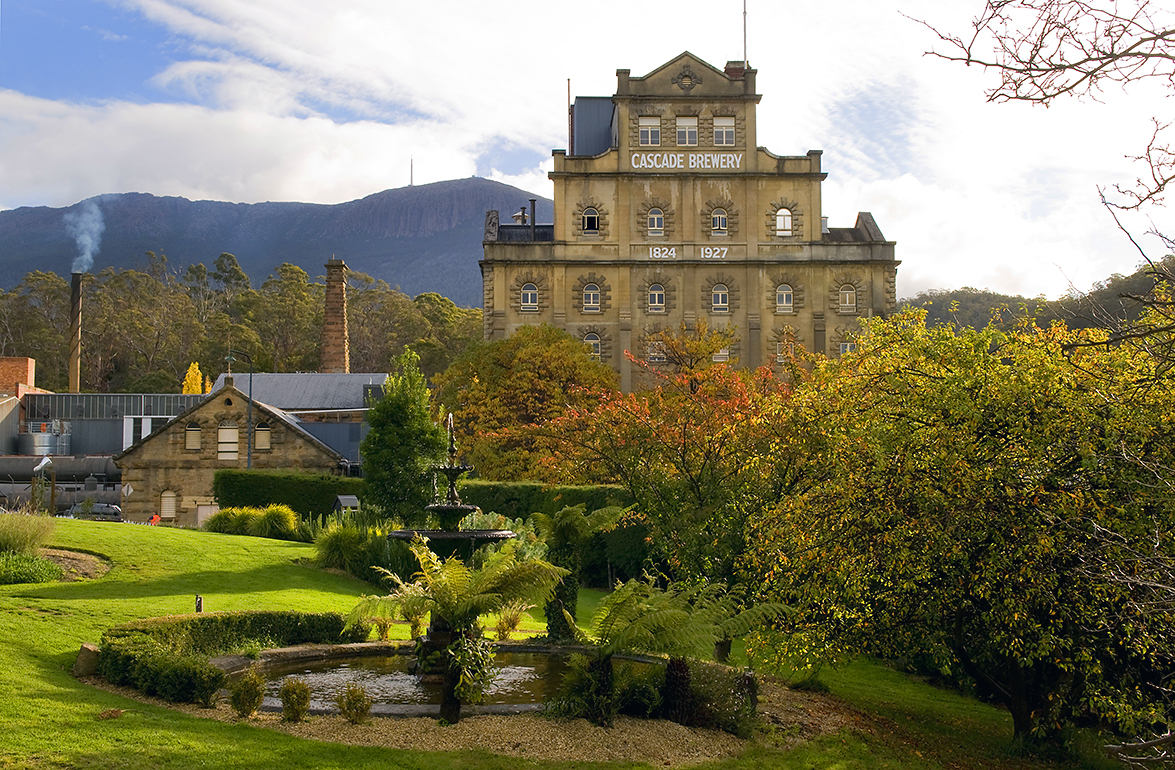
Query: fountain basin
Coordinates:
[531,674]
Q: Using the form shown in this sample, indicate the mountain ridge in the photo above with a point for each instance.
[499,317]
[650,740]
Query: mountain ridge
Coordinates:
[420,238]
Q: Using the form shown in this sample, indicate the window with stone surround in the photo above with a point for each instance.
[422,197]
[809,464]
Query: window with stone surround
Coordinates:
[262,437]
[591,221]
[192,436]
[784,299]
[529,298]
[719,299]
[687,131]
[593,341]
[650,131]
[591,298]
[783,222]
[718,222]
[656,298]
[848,298]
[723,132]
[656,222]
[228,439]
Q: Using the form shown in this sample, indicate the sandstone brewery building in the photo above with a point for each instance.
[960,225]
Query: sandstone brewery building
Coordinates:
[667,212]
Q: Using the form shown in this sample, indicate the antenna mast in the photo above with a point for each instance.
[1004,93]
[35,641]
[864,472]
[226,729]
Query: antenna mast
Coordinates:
[746,64]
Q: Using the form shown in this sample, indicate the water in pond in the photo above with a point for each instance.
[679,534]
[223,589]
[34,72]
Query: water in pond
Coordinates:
[520,678]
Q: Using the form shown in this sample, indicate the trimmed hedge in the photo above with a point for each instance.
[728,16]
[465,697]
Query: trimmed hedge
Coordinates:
[310,494]
[169,656]
[519,499]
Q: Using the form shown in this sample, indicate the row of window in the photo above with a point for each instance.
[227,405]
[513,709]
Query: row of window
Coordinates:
[719,299]
[649,131]
[656,350]
[656,222]
[228,438]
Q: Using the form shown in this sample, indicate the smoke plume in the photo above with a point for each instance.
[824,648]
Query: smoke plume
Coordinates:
[86,225]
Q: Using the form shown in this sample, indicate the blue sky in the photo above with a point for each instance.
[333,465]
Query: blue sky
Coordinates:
[254,100]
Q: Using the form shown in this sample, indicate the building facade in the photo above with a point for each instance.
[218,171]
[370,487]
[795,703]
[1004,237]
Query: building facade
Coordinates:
[170,471]
[667,212]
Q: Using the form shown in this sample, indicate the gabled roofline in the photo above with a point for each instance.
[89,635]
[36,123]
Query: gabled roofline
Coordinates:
[263,408]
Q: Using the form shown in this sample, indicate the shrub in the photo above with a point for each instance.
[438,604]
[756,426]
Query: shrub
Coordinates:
[169,656]
[295,695]
[278,522]
[509,619]
[23,532]
[231,521]
[341,546]
[248,692]
[587,691]
[354,703]
[27,568]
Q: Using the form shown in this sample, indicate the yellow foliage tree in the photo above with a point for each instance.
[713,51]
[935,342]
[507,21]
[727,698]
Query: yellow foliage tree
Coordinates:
[193,380]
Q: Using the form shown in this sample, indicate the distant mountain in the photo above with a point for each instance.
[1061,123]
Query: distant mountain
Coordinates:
[420,238]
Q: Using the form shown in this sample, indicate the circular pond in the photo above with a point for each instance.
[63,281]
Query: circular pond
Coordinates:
[522,681]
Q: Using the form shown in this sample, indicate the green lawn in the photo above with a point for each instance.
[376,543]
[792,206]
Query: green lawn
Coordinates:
[51,721]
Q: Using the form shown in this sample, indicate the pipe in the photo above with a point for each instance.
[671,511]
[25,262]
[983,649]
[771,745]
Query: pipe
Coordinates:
[532,200]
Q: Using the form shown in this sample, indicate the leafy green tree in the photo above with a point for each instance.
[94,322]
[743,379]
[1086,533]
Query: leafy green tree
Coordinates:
[287,316]
[497,387]
[966,481]
[404,444]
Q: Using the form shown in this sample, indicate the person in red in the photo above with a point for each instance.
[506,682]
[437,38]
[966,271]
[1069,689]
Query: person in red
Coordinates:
[154,520]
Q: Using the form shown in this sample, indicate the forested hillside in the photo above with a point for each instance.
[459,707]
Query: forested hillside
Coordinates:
[142,328]
[422,238]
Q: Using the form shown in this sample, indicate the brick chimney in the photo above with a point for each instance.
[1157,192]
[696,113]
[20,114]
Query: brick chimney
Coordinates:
[336,345]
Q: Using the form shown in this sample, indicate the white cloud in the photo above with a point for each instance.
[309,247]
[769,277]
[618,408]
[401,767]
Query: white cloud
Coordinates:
[325,102]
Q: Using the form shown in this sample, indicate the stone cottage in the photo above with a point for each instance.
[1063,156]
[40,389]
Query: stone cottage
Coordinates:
[170,471]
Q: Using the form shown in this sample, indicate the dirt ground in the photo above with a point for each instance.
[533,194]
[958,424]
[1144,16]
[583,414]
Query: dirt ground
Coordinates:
[77,566]
[792,718]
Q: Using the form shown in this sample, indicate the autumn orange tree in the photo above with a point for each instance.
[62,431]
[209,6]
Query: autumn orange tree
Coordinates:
[968,483]
[699,453]
[498,387]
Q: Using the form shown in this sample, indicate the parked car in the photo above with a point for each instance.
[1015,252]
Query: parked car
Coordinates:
[92,511]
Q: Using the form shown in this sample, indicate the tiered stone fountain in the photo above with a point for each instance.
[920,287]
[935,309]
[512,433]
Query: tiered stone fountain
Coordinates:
[449,539]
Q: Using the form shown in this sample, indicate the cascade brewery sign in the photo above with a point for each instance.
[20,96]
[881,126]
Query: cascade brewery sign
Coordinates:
[710,161]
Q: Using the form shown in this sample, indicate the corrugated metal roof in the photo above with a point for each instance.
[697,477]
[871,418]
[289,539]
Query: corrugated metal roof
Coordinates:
[306,390]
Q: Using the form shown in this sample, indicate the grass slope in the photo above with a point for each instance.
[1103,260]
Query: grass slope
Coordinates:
[52,721]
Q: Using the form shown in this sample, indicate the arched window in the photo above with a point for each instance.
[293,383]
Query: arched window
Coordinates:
[591,222]
[262,436]
[591,298]
[848,298]
[783,222]
[227,441]
[783,298]
[656,222]
[718,221]
[656,298]
[192,436]
[720,298]
[593,340]
[167,505]
[530,298]
[847,347]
